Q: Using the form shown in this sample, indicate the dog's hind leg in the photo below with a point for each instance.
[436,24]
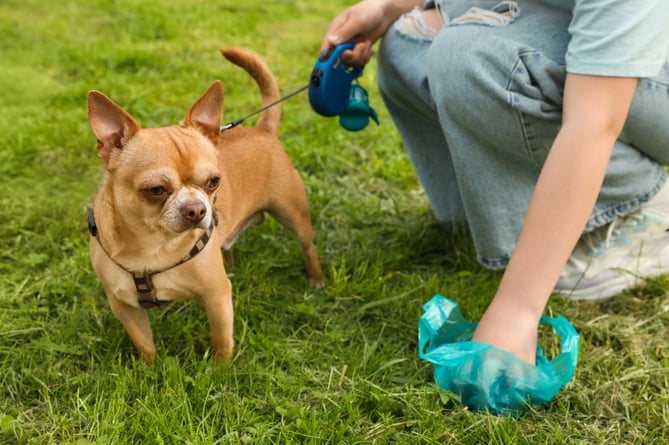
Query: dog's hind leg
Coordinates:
[292,211]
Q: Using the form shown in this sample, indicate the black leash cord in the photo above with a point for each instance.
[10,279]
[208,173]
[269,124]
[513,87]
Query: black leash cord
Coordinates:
[240,120]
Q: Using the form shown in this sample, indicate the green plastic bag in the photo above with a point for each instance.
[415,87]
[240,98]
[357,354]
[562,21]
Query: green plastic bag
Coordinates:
[485,377]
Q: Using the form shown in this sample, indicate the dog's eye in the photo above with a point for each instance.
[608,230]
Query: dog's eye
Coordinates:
[213,182]
[156,192]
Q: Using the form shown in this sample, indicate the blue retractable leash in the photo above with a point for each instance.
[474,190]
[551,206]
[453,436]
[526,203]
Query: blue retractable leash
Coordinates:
[332,92]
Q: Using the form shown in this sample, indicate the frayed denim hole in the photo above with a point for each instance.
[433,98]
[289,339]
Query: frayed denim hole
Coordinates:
[507,7]
[412,24]
[499,15]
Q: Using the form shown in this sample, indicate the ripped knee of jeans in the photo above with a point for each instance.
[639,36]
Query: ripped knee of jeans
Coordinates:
[501,14]
[426,23]
[422,23]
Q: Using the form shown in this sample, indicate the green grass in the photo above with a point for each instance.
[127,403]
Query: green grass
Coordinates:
[335,366]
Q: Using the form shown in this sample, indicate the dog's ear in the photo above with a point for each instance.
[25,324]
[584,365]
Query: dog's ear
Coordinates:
[207,113]
[112,125]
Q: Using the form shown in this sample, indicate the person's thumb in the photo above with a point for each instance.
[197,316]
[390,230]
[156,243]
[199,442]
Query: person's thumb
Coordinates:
[342,33]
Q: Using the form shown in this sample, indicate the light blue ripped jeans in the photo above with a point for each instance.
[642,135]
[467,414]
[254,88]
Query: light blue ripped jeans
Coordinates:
[479,105]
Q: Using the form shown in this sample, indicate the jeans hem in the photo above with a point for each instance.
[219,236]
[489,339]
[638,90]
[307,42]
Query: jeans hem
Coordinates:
[607,215]
[494,263]
[596,220]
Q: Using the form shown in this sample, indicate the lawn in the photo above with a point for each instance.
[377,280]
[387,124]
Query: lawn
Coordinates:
[338,365]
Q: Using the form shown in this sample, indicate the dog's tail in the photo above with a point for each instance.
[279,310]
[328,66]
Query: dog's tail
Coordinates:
[269,89]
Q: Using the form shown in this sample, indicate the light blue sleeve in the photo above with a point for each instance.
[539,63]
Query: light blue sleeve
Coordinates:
[627,38]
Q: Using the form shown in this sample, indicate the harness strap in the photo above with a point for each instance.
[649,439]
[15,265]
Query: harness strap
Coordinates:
[144,280]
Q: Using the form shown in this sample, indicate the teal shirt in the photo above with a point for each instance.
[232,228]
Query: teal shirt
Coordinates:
[627,38]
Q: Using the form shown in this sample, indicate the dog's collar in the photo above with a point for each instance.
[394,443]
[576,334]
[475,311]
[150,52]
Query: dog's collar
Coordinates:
[144,280]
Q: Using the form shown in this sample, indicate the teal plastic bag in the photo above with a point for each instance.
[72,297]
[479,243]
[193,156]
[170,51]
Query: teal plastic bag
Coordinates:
[485,377]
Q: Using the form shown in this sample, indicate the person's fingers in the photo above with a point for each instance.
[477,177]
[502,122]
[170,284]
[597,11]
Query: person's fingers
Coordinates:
[332,36]
[359,55]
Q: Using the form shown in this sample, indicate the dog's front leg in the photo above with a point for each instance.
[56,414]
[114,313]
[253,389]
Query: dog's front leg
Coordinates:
[136,323]
[220,314]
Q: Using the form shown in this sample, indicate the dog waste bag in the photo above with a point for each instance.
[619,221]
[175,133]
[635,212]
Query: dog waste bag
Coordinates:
[487,378]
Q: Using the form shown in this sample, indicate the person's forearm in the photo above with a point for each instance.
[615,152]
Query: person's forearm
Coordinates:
[566,191]
[593,115]
[397,7]
[563,199]
[392,9]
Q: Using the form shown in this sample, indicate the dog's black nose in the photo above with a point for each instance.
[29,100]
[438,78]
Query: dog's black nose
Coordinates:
[194,211]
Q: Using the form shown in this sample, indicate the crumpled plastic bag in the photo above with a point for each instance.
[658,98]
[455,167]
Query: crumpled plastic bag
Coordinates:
[485,377]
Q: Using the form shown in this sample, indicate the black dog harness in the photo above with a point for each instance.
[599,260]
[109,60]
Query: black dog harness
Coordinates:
[143,280]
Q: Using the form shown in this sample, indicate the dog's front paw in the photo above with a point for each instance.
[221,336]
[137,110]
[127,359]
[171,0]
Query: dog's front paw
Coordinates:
[317,282]
[223,355]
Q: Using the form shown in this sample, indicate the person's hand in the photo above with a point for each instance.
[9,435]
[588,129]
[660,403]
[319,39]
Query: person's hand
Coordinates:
[364,23]
[510,328]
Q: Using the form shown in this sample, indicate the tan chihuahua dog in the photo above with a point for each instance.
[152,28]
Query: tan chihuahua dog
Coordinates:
[172,196]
